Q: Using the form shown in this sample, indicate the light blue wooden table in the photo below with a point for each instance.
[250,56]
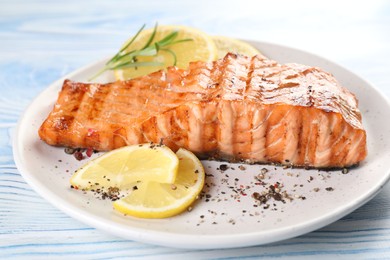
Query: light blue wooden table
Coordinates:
[41,41]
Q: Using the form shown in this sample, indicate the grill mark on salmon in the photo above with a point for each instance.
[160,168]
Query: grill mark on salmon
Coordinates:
[236,108]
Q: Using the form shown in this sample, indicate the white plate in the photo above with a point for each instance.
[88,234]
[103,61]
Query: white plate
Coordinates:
[229,218]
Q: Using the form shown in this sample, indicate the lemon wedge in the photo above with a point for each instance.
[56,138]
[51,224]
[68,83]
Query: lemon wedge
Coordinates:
[160,200]
[227,44]
[123,167]
[200,48]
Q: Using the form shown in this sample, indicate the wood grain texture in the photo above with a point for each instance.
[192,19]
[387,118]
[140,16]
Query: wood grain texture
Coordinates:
[41,41]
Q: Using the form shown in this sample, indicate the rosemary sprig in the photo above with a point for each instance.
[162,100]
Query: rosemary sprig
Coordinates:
[124,59]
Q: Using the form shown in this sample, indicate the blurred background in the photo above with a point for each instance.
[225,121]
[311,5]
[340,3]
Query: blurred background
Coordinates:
[69,35]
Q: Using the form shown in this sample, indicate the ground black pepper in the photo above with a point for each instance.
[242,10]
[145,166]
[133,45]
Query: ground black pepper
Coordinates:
[223,167]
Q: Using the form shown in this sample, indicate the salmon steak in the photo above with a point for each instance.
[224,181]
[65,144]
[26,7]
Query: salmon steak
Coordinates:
[238,108]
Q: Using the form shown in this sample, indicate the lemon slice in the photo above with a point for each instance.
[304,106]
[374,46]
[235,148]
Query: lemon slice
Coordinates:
[200,48]
[226,44]
[123,167]
[159,200]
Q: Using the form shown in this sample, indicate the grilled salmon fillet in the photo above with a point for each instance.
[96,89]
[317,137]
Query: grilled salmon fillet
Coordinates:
[236,108]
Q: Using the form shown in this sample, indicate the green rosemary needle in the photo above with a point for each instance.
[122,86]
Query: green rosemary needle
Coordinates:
[124,59]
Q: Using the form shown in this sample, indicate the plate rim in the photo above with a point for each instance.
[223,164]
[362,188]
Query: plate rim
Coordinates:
[181,240]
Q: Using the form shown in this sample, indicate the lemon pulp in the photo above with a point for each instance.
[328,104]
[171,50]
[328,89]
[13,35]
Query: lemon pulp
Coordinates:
[125,166]
[160,200]
[227,44]
[200,48]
